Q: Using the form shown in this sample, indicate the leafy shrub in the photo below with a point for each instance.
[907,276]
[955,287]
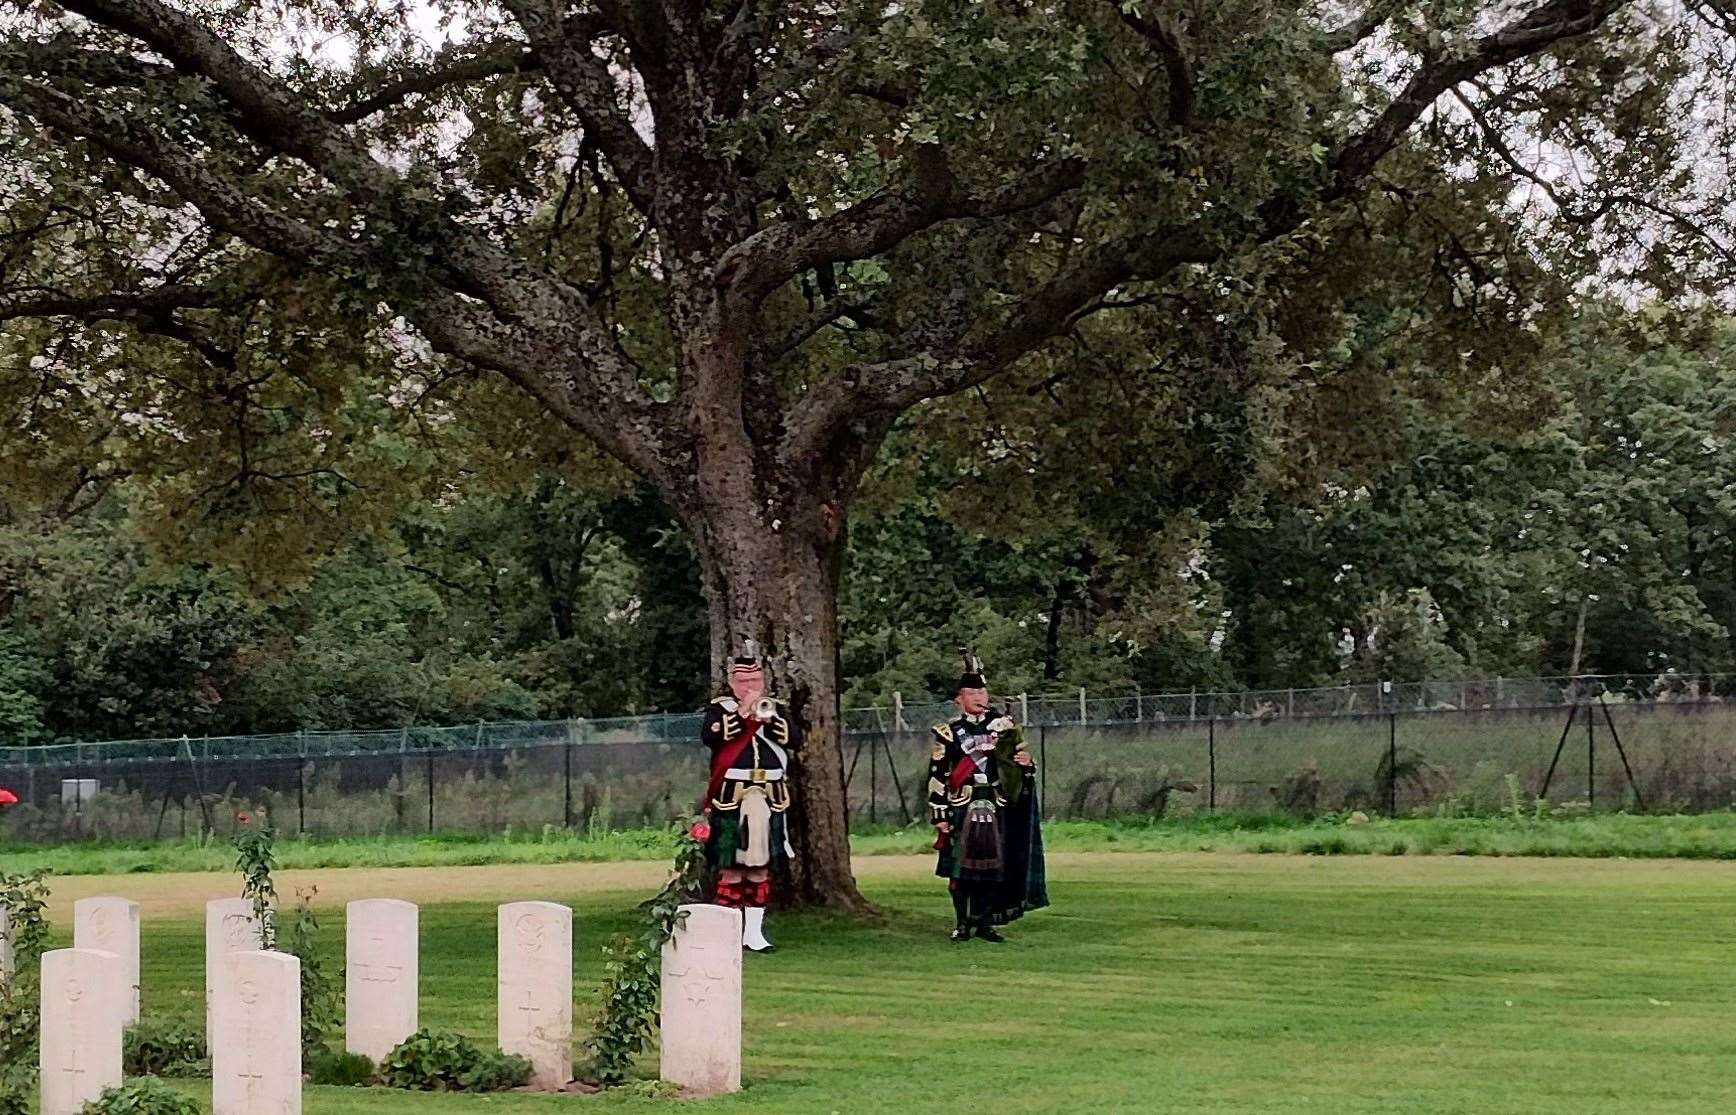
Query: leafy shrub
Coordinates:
[154,1048]
[1300,793]
[320,1011]
[24,897]
[344,1070]
[654,1089]
[427,1061]
[144,1096]
[496,1072]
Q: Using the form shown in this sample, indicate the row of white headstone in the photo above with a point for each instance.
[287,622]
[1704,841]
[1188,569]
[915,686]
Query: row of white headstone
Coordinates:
[90,993]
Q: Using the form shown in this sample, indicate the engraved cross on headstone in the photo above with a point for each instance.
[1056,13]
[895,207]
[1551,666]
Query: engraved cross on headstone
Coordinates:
[248,992]
[701,994]
[251,1073]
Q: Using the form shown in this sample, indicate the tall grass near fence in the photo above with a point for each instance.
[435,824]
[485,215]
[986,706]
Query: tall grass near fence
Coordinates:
[1469,763]
[1672,756]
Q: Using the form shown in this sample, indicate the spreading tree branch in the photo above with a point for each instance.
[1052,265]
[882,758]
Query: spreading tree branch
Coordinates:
[462,64]
[1344,37]
[931,194]
[585,85]
[962,352]
[1568,207]
[1537,30]
[574,348]
[50,303]
[219,196]
[1162,32]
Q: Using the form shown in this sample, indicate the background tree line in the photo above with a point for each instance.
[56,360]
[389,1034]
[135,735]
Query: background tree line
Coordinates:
[1095,285]
[1574,513]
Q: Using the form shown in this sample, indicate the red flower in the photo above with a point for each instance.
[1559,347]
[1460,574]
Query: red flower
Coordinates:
[7,797]
[701,832]
[244,818]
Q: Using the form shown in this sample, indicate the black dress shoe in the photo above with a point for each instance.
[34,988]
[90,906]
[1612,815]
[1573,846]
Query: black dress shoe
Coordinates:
[989,934]
[962,933]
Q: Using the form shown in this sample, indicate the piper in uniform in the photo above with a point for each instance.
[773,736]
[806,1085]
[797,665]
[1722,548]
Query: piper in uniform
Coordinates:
[975,758]
[748,795]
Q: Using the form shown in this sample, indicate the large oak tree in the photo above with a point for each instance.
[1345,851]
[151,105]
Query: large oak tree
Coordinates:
[729,244]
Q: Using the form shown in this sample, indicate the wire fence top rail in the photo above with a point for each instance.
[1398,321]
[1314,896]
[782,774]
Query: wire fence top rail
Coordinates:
[1075,709]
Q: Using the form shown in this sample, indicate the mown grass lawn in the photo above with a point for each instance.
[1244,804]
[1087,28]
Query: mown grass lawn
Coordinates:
[1675,836]
[1159,982]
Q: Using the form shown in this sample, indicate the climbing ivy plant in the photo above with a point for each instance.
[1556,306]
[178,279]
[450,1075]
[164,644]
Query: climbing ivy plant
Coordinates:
[255,860]
[23,897]
[624,1023]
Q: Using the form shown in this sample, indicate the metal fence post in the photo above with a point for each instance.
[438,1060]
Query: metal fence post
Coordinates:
[206,823]
[1025,709]
[1082,715]
[1193,695]
[1392,764]
[402,799]
[430,789]
[1043,767]
[1590,761]
[1212,765]
[301,787]
[77,790]
[567,778]
[873,782]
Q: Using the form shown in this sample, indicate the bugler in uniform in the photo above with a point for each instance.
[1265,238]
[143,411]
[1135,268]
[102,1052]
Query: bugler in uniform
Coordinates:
[749,793]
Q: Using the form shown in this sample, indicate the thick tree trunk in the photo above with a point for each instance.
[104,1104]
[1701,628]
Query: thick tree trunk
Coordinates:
[775,580]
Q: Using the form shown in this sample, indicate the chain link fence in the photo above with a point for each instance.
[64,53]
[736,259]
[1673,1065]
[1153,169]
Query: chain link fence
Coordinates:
[1605,743]
[1080,707]
[1652,755]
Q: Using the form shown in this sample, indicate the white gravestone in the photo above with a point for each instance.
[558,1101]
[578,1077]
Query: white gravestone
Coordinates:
[380,975]
[256,1057]
[535,1000]
[701,1009]
[82,1018]
[229,927]
[112,925]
